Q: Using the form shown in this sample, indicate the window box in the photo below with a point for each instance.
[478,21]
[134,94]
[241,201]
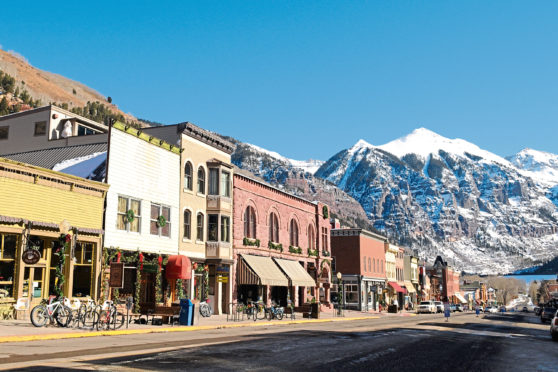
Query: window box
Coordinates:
[276,246]
[293,249]
[251,242]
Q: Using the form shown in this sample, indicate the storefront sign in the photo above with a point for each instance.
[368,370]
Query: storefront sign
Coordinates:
[150,268]
[223,270]
[116,275]
[31,256]
[223,279]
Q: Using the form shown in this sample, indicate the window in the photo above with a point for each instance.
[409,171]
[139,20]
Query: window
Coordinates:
[188,176]
[225,229]
[225,184]
[273,228]
[311,238]
[84,131]
[364,263]
[369,265]
[187,224]
[156,228]
[213,181]
[374,264]
[333,265]
[201,180]
[250,222]
[213,228]
[294,233]
[8,246]
[351,293]
[4,132]
[325,244]
[40,128]
[83,269]
[199,236]
[125,205]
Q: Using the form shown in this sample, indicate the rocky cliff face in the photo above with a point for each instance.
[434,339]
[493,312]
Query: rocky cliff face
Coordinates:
[449,197]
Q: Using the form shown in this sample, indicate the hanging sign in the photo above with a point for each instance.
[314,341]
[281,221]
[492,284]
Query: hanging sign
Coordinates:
[223,279]
[116,274]
[31,256]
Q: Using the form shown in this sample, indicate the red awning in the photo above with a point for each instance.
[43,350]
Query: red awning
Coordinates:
[178,267]
[397,287]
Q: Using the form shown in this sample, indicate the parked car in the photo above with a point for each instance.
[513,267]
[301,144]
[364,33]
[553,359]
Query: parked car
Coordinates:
[525,309]
[453,308]
[490,309]
[554,327]
[459,307]
[547,314]
[502,309]
[439,306]
[538,310]
[427,307]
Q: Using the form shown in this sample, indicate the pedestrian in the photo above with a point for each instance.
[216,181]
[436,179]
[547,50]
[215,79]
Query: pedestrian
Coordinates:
[446,309]
[477,310]
[396,304]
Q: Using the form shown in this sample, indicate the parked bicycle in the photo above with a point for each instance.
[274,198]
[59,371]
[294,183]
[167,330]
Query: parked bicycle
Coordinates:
[108,316]
[259,311]
[53,311]
[205,309]
[275,311]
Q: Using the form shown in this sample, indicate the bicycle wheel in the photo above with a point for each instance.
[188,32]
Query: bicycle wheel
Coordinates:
[75,317]
[260,312]
[205,310]
[89,319]
[39,316]
[279,315]
[117,320]
[103,321]
[63,316]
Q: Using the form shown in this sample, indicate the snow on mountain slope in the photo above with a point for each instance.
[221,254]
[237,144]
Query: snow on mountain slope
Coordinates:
[540,165]
[449,197]
[310,166]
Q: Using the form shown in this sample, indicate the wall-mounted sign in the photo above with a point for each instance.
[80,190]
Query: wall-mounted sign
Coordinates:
[31,256]
[116,279]
[222,270]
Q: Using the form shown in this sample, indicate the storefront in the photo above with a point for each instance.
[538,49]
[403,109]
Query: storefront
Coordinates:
[396,293]
[372,293]
[260,279]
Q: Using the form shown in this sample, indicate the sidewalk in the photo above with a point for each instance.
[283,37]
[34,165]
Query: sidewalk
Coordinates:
[23,330]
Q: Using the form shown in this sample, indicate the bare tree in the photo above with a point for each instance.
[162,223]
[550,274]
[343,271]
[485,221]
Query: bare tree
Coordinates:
[533,290]
[506,288]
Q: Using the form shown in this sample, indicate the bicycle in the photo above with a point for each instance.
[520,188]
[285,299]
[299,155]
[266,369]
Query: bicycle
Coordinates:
[205,309]
[85,316]
[107,315]
[275,312]
[51,311]
[259,311]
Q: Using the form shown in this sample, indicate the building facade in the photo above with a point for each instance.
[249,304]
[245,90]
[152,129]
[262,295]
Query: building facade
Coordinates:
[48,212]
[359,256]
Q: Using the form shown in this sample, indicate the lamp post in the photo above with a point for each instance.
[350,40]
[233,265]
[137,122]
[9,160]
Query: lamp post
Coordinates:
[340,292]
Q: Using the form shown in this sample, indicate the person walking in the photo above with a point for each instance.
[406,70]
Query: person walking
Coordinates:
[447,309]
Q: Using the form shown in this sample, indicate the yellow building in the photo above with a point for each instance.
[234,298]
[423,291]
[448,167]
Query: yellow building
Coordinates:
[48,212]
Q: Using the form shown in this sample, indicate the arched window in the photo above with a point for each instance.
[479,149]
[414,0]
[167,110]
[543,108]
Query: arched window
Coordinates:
[294,233]
[188,176]
[364,263]
[250,223]
[200,227]
[369,264]
[273,228]
[311,238]
[201,180]
[374,265]
[187,224]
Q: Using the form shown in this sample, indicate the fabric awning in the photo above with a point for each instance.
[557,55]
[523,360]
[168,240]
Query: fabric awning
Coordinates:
[460,298]
[296,273]
[260,271]
[178,267]
[410,287]
[397,287]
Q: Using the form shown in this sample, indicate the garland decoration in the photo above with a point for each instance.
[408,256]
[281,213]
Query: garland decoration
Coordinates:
[64,244]
[161,221]
[251,242]
[159,281]
[293,249]
[325,211]
[206,282]
[180,289]
[130,215]
[277,247]
[141,261]
[118,256]
[137,291]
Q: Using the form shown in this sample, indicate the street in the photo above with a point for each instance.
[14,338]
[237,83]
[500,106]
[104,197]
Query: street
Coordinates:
[495,342]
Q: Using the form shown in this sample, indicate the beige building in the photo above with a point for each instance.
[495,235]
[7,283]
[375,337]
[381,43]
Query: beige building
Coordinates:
[45,128]
[205,210]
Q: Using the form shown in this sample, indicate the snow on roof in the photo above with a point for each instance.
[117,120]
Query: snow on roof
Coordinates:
[83,166]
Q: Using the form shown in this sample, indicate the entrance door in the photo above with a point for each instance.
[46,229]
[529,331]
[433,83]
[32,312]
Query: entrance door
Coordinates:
[34,284]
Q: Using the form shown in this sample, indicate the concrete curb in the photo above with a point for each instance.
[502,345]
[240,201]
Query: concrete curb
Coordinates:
[58,336]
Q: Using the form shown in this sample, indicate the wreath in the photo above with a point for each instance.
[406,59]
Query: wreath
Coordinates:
[130,215]
[325,211]
[161,221]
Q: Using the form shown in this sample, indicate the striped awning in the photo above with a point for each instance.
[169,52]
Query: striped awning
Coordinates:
[410,287]
[296,273]
[260,270]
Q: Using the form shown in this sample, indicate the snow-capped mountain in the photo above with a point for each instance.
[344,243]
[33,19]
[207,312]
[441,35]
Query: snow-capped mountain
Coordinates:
[450,197]
[310,166]
[541,165]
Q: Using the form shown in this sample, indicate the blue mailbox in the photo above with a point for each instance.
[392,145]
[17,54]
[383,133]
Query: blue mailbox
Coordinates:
[186,312]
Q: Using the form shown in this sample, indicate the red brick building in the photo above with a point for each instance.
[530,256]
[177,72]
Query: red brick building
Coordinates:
[280,245]
[359,256]
[445,281]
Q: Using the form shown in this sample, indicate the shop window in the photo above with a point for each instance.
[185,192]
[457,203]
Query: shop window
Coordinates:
[273,228]
[8,246]
[294,233]
[250,222]
[225,184]
[126,204]
[156,228]
[213,228]
[351,293]
[200,227]
[129,281]
[201,180]
[40,128]
[187,224]
[37,243]
[83,270]
[213,181]
[4,132]
[225,229]
[188,176]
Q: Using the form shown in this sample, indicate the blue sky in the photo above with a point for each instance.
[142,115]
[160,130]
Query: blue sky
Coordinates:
[309,78]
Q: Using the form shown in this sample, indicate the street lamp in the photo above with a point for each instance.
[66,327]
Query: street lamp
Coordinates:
[340,292]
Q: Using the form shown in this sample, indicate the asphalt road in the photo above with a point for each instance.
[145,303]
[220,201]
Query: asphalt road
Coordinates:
[510,342]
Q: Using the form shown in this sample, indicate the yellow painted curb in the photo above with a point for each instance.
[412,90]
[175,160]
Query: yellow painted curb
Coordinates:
[58,336]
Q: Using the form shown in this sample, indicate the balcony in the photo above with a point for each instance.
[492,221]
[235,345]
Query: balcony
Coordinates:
[218,250]
[217,203]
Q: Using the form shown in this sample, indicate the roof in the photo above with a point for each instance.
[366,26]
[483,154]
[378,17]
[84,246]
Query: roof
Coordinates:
[206,136]
[79,118]
[357,231]
[48,158]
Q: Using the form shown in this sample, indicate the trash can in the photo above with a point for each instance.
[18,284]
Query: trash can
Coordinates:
[315,310]
[186,316]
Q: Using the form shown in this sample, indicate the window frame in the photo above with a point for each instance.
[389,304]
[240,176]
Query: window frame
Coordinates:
[188,177]
[273,227]
[7,128]
[37,123]
[200,234]
[9,261]
[187,224]
[160,213]
[213,182]
[250,225]
[128,224]
[227,231]
[209,227]
[225,188]
[201,181]
[80,263]
[294,232]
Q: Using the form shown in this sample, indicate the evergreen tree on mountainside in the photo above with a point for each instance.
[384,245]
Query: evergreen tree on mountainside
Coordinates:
[100,113]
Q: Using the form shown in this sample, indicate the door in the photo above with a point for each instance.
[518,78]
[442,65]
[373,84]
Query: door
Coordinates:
[34,284]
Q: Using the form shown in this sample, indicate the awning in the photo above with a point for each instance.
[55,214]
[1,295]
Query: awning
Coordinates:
[296,273]
[260,271]
[178,267]
[460,298]
[397,287]
[410,287]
